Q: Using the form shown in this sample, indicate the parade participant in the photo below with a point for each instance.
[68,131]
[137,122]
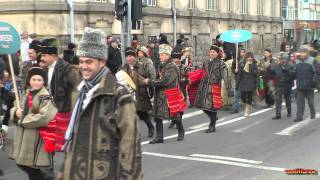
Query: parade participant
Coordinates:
[62,81]
[304,75]
[32,148]
[154,54]
[168,95]
[186,58]
[209,97]
[7,97]
[248,81]
[114,62]
[138,70]
[102,138]
[263,65]
[316,45]
[235,69]
[283,75]
[69,54]
[34,57]
[184,80]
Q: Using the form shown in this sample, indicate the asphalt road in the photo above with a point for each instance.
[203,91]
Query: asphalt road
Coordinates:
[253,148]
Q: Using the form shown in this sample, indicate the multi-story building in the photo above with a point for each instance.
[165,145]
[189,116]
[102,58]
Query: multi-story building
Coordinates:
[301,20]
[198,20]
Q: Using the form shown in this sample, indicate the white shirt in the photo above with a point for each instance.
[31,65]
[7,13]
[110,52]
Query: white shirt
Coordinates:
[24,51]
[50,72]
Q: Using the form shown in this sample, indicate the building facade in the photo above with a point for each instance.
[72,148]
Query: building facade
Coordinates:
[199,20]
[301,20]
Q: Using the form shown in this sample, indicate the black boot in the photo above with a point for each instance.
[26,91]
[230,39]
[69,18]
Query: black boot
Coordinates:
[159,132]
[150,126]
[276,117]
[180,130]
[288,112]
[172,123]
[213,120]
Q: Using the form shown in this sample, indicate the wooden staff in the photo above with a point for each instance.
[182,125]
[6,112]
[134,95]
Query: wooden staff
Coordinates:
[14,81]
[237,64]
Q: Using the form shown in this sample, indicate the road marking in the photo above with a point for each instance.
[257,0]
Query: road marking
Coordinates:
[226,158]
[240,130]
[290,130]
[188,115]
[204,128]
[215,161]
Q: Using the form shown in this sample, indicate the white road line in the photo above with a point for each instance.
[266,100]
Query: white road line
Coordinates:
[204,128]
[188,115]
[226,158]
[290,130]
[240,130]
[215,161]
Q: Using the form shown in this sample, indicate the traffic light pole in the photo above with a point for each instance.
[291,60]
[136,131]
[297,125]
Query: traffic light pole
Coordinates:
[122,38]
[129,23]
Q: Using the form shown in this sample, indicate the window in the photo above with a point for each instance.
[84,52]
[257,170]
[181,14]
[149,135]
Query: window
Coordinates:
[260,7]
[102,1]
[244,6]
[137,25]
[230,5]
[261,44]
[192,4]
[275,40]
[150,2]
[212,5]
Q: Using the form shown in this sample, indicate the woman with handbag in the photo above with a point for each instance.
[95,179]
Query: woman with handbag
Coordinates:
[33,142]
[208,96]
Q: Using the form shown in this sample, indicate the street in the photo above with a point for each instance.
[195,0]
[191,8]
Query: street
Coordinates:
[242,148]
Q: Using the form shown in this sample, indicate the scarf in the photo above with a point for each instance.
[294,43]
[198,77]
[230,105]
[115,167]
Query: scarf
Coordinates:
[247,67]
[88,84]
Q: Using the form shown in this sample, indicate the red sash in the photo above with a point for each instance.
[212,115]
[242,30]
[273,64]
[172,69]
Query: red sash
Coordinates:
[196,76]
[175,101]
[62,120]
[216,96]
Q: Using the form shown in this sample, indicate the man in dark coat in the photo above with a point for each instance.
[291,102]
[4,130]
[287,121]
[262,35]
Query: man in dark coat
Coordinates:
[283,75]
[33,53]
[304,75]
[103,135]
[138,70]
[69,54]
[114,56]
[63,79]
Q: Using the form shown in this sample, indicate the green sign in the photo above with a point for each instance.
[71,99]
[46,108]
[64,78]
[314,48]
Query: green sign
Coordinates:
[9,39]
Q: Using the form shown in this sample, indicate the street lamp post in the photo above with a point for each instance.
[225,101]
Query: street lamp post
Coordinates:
[71,28]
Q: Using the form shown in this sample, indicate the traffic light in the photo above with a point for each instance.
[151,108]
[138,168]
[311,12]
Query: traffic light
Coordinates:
[121,9]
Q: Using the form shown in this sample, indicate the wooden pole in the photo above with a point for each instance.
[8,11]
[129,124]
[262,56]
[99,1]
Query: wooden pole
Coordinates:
[237,63]
[14,81]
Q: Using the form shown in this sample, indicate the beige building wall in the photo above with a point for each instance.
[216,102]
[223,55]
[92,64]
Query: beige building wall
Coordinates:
[200,25]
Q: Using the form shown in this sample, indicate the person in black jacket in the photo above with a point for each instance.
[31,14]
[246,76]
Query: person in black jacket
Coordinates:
[235,70]
[283,75]
[248,81]
[304,74]
[70,56]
